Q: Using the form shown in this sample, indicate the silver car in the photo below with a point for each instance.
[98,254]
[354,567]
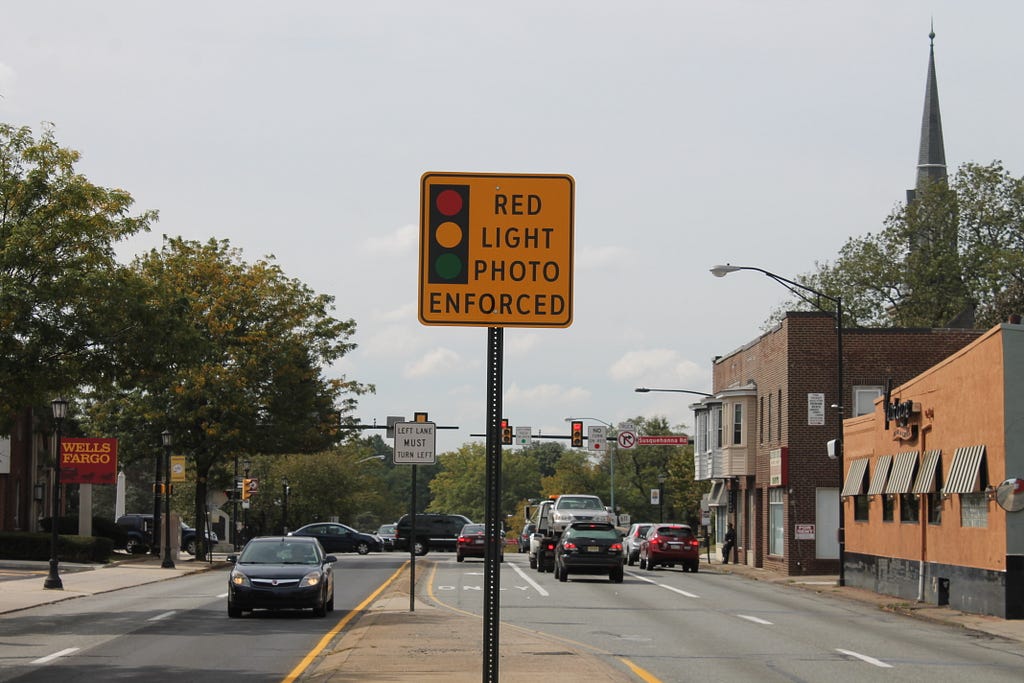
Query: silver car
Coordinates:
[631,541]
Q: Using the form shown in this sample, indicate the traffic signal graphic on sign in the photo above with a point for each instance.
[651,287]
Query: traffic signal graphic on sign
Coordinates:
[577,434]
[448,251]
[506,431]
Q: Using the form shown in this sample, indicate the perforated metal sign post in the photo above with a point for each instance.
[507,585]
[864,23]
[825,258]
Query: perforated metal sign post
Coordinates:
[496,250]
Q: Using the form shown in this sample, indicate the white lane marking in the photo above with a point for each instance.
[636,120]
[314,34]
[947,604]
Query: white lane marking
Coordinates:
[530,581]
[756,620]
[223,595]
[865,658]
[55,655]
[161,616]
[661,585]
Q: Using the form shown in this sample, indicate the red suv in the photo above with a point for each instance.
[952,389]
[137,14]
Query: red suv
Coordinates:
[669,545]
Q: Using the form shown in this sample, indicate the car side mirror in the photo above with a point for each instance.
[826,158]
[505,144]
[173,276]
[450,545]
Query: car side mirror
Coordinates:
[231,559]
[330,559]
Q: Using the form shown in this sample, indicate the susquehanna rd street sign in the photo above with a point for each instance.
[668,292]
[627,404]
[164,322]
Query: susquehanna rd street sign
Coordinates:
[415,443]
[496,250]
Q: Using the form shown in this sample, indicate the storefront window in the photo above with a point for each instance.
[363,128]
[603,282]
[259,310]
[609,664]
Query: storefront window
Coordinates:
[775,532]
[935,508]
[973,510]
[909,507]
[888,507]
[860,508]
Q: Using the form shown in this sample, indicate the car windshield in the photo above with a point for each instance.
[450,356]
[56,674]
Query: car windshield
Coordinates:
[675,532]
[579,504]
[473,529]
[279,553]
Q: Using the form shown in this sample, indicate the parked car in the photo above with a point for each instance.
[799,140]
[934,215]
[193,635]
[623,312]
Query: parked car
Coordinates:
[138,528]
[631,541]
[589,548]
[472,542]
[339,538]
[524,537]
[386,534]
[433,532]
[669,545]
[281,572]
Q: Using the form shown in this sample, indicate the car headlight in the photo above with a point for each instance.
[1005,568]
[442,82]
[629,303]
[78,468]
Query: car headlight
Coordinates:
[239,579]
[310,579]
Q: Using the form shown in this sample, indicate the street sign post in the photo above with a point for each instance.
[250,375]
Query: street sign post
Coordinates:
[496,250]
[415,443]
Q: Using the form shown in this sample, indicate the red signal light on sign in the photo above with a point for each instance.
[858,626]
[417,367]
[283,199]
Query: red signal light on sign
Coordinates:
[448,251]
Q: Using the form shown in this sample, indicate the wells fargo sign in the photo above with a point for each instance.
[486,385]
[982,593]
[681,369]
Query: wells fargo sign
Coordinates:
[88,461]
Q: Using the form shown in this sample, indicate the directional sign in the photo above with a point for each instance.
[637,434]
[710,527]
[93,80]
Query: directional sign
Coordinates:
[664,440]
[597,438]
[415,443]
[496,250]
[523,436]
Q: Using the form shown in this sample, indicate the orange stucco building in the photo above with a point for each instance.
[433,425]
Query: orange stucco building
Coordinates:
[928,515]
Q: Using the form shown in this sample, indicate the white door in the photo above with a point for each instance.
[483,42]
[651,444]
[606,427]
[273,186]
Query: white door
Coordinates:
[826,520]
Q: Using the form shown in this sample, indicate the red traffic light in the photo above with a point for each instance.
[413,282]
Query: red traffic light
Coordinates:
[577,433]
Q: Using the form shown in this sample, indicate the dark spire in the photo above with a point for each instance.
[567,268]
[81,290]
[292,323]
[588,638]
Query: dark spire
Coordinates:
[931,158]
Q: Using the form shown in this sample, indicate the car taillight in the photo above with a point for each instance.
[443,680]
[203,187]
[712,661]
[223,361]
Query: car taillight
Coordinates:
[463,539]
[694,543]
[569,545]
[551,546]
[616,547]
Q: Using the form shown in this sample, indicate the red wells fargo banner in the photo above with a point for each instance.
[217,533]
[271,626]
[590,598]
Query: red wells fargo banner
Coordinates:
[88,461]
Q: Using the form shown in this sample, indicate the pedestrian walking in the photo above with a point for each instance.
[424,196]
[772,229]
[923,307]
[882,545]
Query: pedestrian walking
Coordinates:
[730,543]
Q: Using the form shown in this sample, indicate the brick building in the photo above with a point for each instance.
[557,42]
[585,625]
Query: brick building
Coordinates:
[925,515]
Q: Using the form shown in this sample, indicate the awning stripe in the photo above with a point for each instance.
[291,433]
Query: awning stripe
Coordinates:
[854,485]
[902,473]
[881,474]
[963,473]
[926,479]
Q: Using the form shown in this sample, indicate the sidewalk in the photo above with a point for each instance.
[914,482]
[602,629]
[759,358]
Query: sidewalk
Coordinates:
[387,642]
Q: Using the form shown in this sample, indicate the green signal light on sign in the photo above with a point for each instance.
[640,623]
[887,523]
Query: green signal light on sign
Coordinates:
[449,234]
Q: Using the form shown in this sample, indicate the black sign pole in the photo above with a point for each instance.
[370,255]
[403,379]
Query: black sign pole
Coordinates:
[412,545]
[492,509]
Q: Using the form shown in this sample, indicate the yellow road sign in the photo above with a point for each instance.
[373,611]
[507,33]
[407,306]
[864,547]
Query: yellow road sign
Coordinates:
[496,250]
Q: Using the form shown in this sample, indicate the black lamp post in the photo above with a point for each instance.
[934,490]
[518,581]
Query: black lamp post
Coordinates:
[155,531]
[246,466]
[645,390]
[60,411]
[661,497]
[797,288]
[285,490]
[168,562]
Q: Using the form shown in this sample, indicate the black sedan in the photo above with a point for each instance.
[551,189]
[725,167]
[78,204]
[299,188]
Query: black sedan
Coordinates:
[281,572]
[589,548]
[338,538]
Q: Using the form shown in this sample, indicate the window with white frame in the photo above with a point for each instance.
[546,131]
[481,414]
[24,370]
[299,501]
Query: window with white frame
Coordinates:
[864,399]
[716,417]
[737,424]
[776,530]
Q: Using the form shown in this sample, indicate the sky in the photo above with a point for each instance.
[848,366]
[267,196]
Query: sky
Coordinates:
[756,133]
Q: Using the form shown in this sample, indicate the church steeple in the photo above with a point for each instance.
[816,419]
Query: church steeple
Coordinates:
[931,158]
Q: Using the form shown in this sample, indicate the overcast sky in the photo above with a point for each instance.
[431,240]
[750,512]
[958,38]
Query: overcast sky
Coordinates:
[759,133]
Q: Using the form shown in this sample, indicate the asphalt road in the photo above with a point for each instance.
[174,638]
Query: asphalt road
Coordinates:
[719,627]
[174,630]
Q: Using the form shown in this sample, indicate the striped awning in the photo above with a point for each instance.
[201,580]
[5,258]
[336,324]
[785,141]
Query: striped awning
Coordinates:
[963,473]
[880,476]
[903,468]
[927,480]
[854,485]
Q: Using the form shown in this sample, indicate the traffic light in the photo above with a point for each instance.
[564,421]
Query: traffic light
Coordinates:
[448,251]
[506,431]
[246,490]
[577,433]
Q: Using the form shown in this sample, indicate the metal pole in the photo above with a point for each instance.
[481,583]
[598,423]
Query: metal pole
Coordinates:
[53,580]
[155,531]
[492,520]
[234,511]
[412,544]
[168,562]
[839,438]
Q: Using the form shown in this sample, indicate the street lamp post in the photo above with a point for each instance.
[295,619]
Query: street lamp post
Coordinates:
[155,531]
[53,581]
[796,288]
[661,497]
[168,562]
[645,390]
[611,463]
[285,490]
[236,491]
[246,466]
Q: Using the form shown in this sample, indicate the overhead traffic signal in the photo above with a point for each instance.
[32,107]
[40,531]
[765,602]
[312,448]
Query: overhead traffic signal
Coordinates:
[448,252]
[506,431]
[248,488]
[577,433]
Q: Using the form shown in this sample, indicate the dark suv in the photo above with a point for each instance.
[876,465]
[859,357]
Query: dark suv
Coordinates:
[139,531]
[433,532]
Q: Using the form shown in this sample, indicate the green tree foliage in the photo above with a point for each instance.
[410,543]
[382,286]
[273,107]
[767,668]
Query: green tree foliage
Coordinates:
[460,485]
[235,366]
[954,247]
[67,309]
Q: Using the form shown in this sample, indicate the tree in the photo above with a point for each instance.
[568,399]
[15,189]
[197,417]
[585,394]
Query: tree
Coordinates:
[952,249]
[66,307]
[460,485]
[237,366]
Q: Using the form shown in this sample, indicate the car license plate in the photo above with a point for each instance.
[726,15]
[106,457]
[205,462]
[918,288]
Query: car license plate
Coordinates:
[479,541]
[675,546]
[593,548]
